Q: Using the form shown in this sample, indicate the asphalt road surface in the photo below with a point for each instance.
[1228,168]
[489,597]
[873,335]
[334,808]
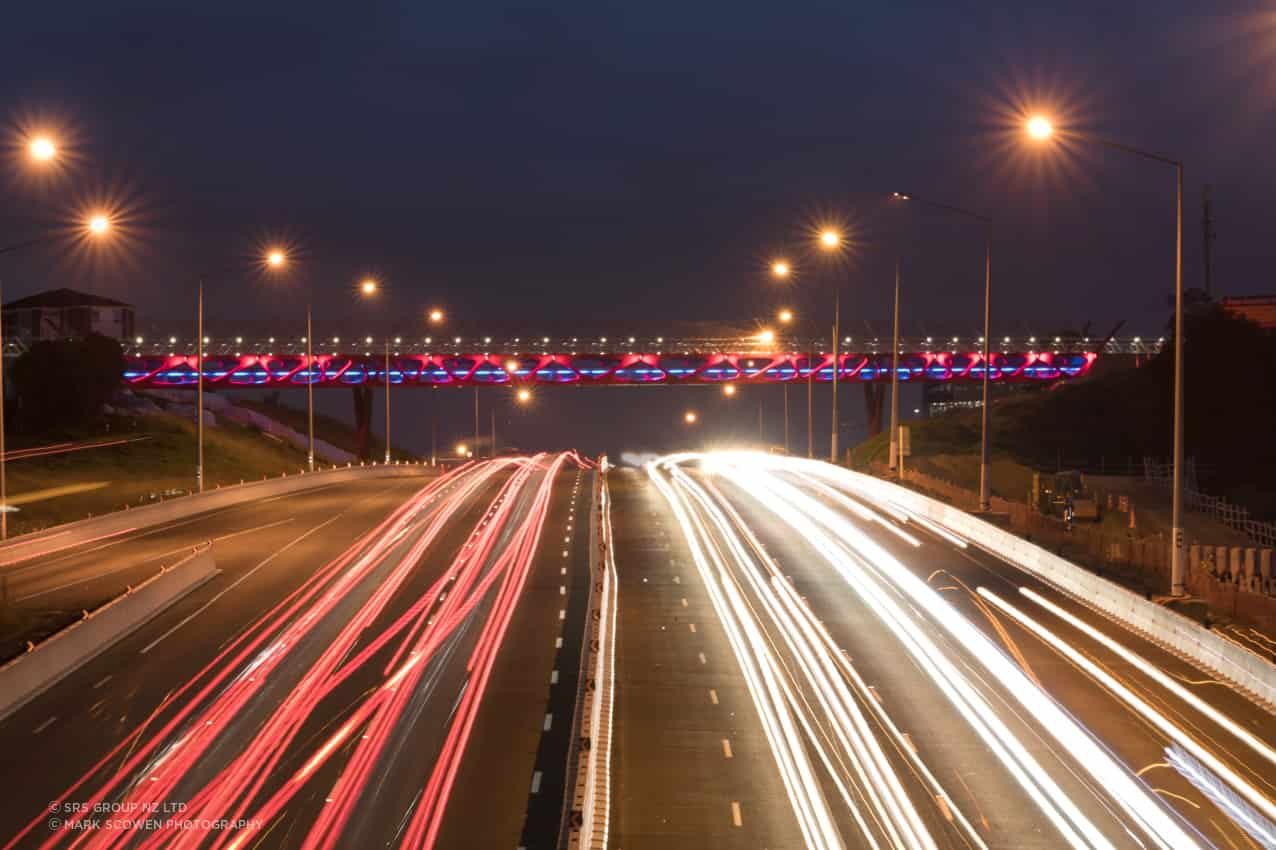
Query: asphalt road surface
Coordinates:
[325,690]
[82,577]
[875,682]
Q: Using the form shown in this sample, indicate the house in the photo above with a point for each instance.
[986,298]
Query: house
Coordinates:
[63,313]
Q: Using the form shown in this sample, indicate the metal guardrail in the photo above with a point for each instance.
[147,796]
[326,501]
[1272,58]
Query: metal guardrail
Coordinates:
[1218,509]
[587,817]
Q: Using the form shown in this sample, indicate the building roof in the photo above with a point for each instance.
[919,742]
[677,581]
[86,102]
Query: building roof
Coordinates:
[61,299]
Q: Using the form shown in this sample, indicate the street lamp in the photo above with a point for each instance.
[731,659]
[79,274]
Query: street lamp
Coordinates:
[785,316]
[436,316]
[728,390]
[42,149]
[96,226]
[690,417]
[985,468]
[524,395]
[780,270]
[370,287]
[1042,129]
[461,450]
[831,242]
[276,259]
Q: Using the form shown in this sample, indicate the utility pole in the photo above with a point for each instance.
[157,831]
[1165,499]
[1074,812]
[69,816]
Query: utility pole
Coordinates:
[893,461]
[199,391]
[837,363]
[434,440]
[1207,227]
[476,423]
[387,399]
[810,405]
[493,430]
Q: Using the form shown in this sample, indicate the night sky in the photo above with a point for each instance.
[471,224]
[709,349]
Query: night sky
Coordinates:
[571,162]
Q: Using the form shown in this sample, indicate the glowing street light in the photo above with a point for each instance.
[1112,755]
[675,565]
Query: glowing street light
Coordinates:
[830,239]
[276,258]
[462,450]
[766,336]
[780,268]
[1040,127]
[690,417]
[368,286]
[99,224]
[436,316]
[785,316]
[42,149]
[728,390]
[524,395]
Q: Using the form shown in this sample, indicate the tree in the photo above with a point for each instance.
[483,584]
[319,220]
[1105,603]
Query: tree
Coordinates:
[63,384]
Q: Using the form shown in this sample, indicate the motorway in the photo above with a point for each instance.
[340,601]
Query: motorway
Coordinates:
[61,584]
[325,690]
[800,665]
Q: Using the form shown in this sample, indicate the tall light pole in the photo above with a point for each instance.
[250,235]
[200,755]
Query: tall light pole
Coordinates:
[985,436]
[893,459]
[780,270]
[831,241]
[1042,129]
[276,259]
[96,226]
[368,288]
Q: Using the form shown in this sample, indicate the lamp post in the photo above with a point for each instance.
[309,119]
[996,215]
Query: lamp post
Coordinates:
[369,287]
[985,479]
[96,226]
[1042,129]
[893,459]
[277,259]
[830,241]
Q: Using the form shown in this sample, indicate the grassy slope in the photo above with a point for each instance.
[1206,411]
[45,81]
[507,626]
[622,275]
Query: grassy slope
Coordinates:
[132,473]
[327,428]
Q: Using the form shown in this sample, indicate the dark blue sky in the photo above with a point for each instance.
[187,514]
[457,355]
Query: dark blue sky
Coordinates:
[605,160]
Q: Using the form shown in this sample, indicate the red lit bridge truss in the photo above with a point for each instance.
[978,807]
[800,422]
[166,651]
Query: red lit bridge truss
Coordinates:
[236,363]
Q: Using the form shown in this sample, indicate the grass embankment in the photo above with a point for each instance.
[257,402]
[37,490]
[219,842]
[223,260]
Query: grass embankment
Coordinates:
[65,487]
[948,447]
[327,428]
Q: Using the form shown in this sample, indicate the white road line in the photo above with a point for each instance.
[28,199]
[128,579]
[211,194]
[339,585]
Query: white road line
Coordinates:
[562,590]
[726,748]
[558,643]
[692,626]
[703,660]
[549,721]
[713,696]
[553,677]
[102,681]
[735,814]
[562,571]
[536,782]
[45,725]
[201,609]
[684,602]
[180,551]
[562,614]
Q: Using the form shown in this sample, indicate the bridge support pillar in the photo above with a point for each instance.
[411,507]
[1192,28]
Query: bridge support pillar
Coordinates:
[362,420]
[874,399]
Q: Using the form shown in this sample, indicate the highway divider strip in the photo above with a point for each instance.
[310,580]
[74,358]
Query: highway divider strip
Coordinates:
[589,762]
[40,543]
[51,660]
[1247,671]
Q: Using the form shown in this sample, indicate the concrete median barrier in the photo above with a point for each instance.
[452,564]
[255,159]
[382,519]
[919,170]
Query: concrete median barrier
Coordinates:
[27,676]
[60,537]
